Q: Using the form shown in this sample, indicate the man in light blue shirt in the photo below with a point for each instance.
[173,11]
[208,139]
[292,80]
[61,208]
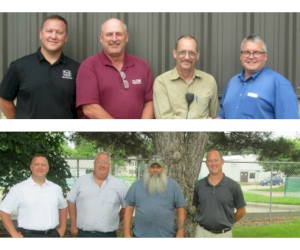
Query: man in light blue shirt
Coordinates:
[94,202]
[258,92]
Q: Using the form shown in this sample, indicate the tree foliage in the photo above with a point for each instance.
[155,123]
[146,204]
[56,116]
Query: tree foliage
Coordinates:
[282,150]
[83,149]
[120,144]
[239,142]
[17,149]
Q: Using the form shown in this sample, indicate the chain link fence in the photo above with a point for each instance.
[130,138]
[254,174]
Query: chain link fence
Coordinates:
[270,188]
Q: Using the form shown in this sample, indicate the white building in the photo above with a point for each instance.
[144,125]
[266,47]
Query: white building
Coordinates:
[241,168]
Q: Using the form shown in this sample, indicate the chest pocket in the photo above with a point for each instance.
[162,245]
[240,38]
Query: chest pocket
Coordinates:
[250,106]
[112,197]
[166,202]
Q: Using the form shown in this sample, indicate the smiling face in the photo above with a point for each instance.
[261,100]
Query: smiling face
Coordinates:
[114,37]
[53,36]
[186,54]
[101,166]
[39,167]
[214,163]
[253,64]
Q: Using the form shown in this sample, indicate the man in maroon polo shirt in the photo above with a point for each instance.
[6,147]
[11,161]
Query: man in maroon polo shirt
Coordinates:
[114,84]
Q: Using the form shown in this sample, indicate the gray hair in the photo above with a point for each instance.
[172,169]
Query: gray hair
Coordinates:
[255,39]
[186,36]
[103,153]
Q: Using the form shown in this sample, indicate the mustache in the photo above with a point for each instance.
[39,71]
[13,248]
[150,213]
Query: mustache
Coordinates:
[186,60]
[114,43]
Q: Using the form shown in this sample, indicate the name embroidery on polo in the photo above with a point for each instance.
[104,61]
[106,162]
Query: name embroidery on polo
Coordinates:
[67,74]
[137,81]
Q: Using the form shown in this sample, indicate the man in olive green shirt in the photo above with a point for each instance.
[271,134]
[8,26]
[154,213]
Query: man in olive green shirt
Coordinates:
[170,89]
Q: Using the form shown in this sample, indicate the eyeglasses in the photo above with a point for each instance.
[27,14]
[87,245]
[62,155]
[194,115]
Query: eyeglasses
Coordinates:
[103,162]
[182,53]
[125,82]
[256,54]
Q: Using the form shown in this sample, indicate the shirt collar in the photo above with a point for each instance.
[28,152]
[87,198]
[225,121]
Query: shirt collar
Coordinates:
[32,182]
[107,178]
[242,74]
[128,60]
[61,60]
[221,183]
[175,75]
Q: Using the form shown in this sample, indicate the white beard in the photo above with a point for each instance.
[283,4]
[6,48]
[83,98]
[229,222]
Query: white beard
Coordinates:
[155,184]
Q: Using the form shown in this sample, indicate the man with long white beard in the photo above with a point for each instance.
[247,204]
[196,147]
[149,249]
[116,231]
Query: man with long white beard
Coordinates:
[155,198]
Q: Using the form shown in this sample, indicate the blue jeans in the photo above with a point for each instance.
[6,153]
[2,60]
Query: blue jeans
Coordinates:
[88,234]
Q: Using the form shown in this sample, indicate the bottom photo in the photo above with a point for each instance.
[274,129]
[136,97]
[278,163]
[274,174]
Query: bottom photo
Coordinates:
[150,184]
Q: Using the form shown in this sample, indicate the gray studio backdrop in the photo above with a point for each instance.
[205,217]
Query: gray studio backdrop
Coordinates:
[152,36]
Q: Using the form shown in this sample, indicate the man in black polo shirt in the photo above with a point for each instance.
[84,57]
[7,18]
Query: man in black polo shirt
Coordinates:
[216,197]
[43,82]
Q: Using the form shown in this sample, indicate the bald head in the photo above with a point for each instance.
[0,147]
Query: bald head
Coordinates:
[113,38]
[113,24]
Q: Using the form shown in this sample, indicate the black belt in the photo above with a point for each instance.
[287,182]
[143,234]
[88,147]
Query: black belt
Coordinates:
[216,231]
[49,231]
[94,232]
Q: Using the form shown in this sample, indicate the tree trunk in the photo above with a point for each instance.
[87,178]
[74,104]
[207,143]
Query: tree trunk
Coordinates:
[183,153]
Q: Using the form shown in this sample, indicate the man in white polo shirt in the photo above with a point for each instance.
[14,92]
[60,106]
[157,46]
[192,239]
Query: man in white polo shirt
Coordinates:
[96,202]
[42,209]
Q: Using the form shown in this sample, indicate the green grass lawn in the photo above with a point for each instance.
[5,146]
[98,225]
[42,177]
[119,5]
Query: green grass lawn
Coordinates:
[290,229]
[274,189]
[249,197]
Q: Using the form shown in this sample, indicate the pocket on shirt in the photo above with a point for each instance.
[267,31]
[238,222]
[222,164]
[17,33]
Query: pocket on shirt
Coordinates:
[202,105]
[166,202]
[250,106]
[112,197]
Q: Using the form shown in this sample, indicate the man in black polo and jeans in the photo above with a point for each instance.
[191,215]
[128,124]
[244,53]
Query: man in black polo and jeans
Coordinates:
[216,198]
[43,82]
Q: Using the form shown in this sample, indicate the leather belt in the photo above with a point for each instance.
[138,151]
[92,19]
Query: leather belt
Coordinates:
[94,232]
[225,230]
[49,231]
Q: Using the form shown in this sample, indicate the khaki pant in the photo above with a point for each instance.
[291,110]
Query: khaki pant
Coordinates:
[202,233]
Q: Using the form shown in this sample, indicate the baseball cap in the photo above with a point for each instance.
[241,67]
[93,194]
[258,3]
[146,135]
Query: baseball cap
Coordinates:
[156,159]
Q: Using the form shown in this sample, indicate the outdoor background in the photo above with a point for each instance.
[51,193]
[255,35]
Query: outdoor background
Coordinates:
[269,178]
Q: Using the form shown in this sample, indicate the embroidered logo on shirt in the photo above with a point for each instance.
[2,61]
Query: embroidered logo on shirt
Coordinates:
[67,74]
[137,81]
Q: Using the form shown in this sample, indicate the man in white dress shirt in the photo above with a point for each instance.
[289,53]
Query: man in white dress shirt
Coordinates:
[96,202]
[42,209]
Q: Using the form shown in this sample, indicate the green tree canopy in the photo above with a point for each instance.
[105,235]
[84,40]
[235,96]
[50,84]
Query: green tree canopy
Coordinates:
[281,150]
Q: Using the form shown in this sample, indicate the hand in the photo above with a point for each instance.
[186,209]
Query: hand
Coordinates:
[180,235]
[74,231]
[127,236]
[17,235]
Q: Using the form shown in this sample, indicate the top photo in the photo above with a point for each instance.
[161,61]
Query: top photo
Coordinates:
[149,65]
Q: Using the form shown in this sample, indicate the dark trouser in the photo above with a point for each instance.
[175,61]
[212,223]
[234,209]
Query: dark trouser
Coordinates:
[52,233]
[90,234]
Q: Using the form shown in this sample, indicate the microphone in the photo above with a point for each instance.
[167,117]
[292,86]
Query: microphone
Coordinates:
[189,98]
